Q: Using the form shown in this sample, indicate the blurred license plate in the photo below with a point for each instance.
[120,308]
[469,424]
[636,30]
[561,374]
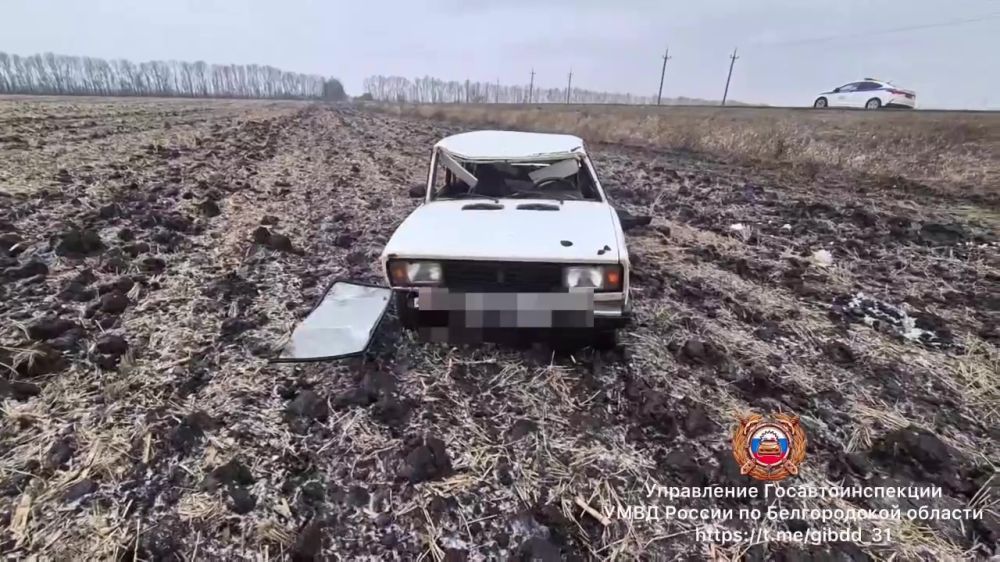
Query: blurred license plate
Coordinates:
[511,310]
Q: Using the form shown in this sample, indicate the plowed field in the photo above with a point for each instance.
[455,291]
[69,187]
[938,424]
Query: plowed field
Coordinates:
[153,253]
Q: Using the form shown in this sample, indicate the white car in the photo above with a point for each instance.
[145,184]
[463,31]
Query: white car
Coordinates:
[515,231]
[869,94]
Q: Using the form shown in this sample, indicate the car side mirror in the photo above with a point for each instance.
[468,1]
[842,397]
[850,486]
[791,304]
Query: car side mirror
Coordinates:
[418,190]
[836,90]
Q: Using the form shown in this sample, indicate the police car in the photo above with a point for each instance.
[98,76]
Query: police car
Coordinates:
[869,94]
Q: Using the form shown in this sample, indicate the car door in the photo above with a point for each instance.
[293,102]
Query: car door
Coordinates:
[845,96]
[866,91]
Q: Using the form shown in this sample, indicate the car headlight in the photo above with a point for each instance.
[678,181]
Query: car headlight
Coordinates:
[414,272]
[596,277]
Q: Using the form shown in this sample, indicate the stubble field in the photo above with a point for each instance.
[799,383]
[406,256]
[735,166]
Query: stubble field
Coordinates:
[154,252]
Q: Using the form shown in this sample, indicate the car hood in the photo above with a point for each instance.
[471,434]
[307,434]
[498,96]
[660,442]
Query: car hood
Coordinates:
[443,230]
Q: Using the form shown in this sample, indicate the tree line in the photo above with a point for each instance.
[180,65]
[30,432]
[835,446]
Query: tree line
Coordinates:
[53,74]
[434,90]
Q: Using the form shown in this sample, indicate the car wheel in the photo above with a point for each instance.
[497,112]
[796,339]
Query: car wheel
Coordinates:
[820,103]
[407,314]
[873,103]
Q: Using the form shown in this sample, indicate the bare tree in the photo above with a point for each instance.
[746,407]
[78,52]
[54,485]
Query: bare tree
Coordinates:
[433,90]
[68,75]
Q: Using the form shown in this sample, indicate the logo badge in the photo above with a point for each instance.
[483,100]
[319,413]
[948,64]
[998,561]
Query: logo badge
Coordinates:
[769,448]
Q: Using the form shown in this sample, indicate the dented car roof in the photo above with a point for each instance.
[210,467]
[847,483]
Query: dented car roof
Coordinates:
[511,145]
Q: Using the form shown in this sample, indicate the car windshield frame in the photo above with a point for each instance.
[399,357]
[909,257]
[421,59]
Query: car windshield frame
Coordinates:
[457,169]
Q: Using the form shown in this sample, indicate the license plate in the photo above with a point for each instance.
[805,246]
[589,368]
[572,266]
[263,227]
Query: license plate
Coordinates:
[509,310]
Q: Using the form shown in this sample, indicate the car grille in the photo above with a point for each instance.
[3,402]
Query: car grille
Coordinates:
[502,277]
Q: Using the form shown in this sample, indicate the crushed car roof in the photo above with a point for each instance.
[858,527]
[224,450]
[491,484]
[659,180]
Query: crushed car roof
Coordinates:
[510,145]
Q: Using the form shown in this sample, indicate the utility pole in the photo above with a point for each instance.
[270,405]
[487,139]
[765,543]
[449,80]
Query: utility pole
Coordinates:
[531,85]
[466,90]
[732,61]
[569,85]
[498,90]
[663,72]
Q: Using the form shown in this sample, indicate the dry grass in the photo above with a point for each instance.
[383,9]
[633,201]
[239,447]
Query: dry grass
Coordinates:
[958,150]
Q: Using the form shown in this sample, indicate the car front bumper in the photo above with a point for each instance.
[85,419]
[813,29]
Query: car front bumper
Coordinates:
[440,307]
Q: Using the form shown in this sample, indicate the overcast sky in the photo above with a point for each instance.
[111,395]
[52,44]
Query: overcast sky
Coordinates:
[611,45]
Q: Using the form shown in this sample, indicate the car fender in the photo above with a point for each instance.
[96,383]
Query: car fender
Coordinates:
[623,257]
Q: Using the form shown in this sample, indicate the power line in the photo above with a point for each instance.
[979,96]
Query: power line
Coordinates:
[985,17]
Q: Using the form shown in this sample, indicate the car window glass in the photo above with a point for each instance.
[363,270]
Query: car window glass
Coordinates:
[868,86]
[503,179]
[849,87]
[446,184]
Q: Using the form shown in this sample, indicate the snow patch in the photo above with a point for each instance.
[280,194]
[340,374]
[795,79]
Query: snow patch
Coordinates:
[821,258]
[873,312]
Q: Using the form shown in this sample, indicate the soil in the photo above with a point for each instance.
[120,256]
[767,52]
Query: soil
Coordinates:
[148,272]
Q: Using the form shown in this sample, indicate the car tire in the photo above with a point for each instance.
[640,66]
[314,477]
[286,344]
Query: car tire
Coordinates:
[407,314]
[821,103]
[873,103]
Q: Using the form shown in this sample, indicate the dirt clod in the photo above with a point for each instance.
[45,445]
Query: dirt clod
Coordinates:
[260,235]
[308,543]
[49,327]
[358,496]
[241,501]
[30,268]
[916,447]
[79,489]
[113,303]
[839,352]
[936,234]
[153,265]
[426,460]
[78,243]
[309,405]
[210,208]
[8,241]
[76,292]
[111,344]
[189,432]
[701,353]
[60,453]
[231,473]
[522,428]
[18,390]
[232,327]
[40,359]
[538,549]
[698,423]
[136,249]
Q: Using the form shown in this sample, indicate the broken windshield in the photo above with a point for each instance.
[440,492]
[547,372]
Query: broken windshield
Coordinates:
[560,180]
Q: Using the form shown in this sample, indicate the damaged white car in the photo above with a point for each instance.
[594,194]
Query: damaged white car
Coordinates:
[515,233]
